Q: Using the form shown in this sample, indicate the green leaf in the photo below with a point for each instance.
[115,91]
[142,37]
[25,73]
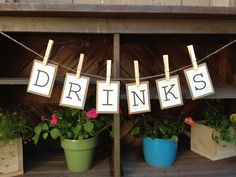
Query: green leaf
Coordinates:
[81,137]
[36,139]
[74,111]
[45,135]
[175,138]
[135,131]
[38,129]
[88,126]
[77,130]
[45,127]
[55,133]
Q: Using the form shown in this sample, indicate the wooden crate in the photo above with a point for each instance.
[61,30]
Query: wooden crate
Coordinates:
[168,3]
[202,143]
[195,2]
[220,3]
[11,158]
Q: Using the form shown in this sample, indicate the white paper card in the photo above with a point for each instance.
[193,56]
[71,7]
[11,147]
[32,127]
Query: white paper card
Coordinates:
[108,97]
[138,98]
[169,92]
[199,81]
[74,91]
[42,79]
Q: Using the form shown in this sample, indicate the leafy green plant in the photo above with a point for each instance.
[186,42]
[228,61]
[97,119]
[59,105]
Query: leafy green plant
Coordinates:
[222,122]
[13,124]
[72,124]
[162,126]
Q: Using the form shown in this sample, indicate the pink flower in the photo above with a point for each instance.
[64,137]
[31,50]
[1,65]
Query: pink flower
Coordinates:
[189,121]
[91,114]
[54,119]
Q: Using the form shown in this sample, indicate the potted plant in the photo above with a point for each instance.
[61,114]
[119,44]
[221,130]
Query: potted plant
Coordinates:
[160,137]
[78,131]
[13,128]
[215,136]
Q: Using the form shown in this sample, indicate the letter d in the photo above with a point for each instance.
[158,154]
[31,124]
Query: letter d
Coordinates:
[45,78]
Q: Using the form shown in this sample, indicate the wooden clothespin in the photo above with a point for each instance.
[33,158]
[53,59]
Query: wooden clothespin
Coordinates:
[136,72]
[108,76]
[79,67]
[166,66]
[192,56]
[48,52]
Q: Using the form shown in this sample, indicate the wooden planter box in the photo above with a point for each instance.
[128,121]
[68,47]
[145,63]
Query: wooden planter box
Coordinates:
[11,158]
[202,143]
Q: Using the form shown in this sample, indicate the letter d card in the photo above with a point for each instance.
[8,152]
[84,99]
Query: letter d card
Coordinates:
[42,78]
[199,81]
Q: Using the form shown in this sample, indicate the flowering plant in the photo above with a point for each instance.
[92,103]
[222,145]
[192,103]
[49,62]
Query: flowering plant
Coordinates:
[222,121]
[72,124]
[13,124]
[162,126]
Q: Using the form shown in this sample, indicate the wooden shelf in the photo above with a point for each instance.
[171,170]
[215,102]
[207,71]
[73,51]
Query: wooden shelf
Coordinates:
[24,81]
[188,164]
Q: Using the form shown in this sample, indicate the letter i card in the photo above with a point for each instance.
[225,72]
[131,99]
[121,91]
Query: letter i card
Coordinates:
[199,81]
[42,79]
[108,97]
[74,91]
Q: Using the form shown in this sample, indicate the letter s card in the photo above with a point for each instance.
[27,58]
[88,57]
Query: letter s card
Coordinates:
[74,91]
[199,81]
[42,79]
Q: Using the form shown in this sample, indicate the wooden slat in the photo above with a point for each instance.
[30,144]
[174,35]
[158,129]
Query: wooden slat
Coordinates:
[116,67]
[132,26]
[103,10]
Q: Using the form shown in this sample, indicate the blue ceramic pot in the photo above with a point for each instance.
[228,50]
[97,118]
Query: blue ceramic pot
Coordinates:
[159,152]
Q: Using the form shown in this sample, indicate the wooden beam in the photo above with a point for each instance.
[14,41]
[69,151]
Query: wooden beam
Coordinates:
[116,73]
[119,26]
[116,11]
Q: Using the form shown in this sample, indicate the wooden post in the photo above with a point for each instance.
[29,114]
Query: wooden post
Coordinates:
[116,73]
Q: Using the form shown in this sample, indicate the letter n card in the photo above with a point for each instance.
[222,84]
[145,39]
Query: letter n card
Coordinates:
[108,97]
[169,92]
[199,81]
[138,98]
[74,91]
[42,78]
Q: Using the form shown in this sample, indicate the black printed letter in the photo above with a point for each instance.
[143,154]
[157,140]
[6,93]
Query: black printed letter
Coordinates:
[107,104]
[204,83]
[75,91]
[46,74]
[166,92]
[142,101]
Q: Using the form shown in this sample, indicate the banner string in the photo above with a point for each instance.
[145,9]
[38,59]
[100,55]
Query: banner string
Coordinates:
[121,79]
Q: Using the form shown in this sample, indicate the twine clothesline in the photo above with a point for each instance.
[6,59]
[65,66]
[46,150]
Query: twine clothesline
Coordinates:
[121,79]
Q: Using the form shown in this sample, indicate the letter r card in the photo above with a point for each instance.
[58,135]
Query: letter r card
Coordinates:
[42,79]
[74,91]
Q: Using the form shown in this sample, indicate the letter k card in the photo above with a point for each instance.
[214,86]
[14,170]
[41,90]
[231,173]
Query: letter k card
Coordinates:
[42,79]
[108,97]
[74,91]
[199,81]
[169,92]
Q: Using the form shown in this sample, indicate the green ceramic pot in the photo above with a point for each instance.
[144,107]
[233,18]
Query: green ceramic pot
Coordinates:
[79,153]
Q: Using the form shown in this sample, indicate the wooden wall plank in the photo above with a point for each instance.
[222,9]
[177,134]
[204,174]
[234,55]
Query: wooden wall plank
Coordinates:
[168,3]
[220,3]
[116,72]
[195,2]
[132,26]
